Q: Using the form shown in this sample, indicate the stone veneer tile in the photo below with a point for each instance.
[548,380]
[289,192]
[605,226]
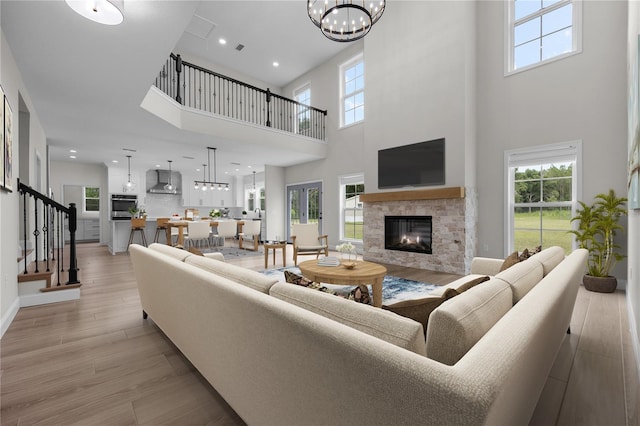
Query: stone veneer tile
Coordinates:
[454,232]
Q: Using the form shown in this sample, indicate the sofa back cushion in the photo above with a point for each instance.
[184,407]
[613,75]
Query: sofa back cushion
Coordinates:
[456,325]
[387,326]
[522,277]
[246,277]
[549,258]
[167,250]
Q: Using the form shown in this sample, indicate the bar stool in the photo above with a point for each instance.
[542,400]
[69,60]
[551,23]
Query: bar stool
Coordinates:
[161,228]
[137,225]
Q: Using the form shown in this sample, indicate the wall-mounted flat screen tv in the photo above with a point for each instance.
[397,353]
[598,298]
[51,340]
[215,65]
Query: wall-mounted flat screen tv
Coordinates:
[418,164]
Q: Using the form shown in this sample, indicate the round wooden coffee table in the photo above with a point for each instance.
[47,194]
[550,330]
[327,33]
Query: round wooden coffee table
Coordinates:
[363,273]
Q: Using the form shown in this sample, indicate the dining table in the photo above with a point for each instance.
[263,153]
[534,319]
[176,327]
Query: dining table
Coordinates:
[181,224]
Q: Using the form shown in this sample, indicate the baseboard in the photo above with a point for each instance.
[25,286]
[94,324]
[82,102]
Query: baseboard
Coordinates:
[635,337]
[49,297]
[7,319]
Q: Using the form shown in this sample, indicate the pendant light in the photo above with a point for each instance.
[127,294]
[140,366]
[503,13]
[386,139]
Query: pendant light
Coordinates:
[169,186]
[129,186]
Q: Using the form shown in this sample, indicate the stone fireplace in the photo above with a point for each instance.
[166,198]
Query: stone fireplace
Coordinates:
[453,228]
[408,233]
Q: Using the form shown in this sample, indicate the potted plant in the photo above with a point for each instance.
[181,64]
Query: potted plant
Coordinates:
[597,226]
[133,211]
[214,213]
[244,213]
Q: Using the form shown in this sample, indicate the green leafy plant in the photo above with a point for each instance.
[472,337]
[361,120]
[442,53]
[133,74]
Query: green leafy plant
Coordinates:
[215,213]
[597,226]
[133,210]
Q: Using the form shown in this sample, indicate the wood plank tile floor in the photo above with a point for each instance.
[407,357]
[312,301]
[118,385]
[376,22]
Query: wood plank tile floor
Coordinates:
[95,361]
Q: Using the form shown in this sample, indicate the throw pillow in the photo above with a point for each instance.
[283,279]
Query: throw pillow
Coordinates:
[527,254]
[195,251]
[359,294]
[511,260]
[466,286]
[420,309]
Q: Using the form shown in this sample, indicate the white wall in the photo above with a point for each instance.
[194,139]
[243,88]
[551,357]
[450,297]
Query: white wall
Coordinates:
[13,86]
[83,174]
[275,196]
[420,84]
[582,97]
[633,276]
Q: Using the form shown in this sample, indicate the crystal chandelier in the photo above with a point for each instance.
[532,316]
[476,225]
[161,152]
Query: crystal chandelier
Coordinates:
[345,20]
[210,184]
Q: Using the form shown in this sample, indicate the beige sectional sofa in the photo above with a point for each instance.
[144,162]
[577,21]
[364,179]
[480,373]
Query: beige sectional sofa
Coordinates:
[285,355]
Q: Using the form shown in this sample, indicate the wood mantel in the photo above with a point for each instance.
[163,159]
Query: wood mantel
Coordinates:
[422,194]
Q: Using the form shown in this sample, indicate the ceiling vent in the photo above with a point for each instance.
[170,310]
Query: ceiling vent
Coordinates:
[239,47]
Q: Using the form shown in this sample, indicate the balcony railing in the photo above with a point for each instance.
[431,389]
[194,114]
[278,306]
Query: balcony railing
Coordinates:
[199,88]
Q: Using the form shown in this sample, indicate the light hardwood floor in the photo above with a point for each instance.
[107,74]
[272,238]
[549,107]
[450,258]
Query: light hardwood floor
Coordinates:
[95,361]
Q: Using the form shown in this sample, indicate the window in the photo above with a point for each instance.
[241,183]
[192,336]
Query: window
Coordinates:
[352,91]
[251,197]
[543,189]
[303,115]
[91,199]
[352,223]
[542,30]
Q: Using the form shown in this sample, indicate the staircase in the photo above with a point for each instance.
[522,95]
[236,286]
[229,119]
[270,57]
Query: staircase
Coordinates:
[54,278]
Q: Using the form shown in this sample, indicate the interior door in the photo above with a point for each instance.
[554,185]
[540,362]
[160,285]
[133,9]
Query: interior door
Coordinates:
[304,205]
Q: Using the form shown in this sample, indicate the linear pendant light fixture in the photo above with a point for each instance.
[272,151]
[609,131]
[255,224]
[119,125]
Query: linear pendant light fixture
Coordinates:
[211,184]
[107,12]
[345,20]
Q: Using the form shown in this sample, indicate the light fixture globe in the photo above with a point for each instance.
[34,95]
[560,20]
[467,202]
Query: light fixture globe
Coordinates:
[107,12]
[345,20]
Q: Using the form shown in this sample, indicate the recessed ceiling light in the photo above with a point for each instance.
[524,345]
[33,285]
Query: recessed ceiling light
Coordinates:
[114,161]
[222,41]
[72,156]
[237,170]
[73,150]
[276,64]
[157,165]
[249,166]
[197,170]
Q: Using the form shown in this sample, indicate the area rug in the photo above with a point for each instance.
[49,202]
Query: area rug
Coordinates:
[394,289]
[231,252]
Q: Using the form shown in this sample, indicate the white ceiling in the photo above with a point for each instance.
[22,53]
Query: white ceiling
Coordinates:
[87,80]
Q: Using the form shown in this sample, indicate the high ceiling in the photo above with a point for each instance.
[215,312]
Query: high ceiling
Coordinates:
[87,80]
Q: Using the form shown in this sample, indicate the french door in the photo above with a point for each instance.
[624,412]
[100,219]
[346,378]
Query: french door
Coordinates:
[304,205]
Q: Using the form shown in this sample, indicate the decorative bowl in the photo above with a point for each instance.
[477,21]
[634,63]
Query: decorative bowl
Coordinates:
[349,265]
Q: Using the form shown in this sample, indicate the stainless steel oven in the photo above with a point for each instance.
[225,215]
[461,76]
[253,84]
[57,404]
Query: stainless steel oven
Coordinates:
[120,205]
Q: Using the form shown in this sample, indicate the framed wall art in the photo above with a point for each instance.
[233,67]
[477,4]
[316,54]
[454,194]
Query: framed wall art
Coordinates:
[2,139]
[633,183]
[8,145]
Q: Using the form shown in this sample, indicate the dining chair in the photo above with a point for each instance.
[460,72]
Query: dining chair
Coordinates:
[306,240]
[197,231]
[227,229]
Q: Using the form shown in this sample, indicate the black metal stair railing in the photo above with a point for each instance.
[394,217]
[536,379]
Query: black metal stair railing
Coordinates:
[52,222]
[205,90]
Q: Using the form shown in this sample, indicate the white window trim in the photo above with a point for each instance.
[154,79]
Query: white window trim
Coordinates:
[359,57]
[551,153]
[351,178]
[84,200]
[508,36]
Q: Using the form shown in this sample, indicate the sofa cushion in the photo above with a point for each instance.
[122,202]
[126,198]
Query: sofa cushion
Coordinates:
[246,277]
[420,309]
[174,252]
[384,325]
[522,277]
[549,258]
[456,325]
[461,284]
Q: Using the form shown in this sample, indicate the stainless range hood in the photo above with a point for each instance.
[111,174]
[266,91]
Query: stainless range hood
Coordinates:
[158,179]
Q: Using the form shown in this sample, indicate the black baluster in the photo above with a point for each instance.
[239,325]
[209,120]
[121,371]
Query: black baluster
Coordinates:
[268,123]
[73,261]
[45,231]
[24,221]
[36,232]
[178,71]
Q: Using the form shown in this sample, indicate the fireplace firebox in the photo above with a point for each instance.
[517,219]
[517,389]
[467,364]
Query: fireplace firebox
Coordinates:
[408,233]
